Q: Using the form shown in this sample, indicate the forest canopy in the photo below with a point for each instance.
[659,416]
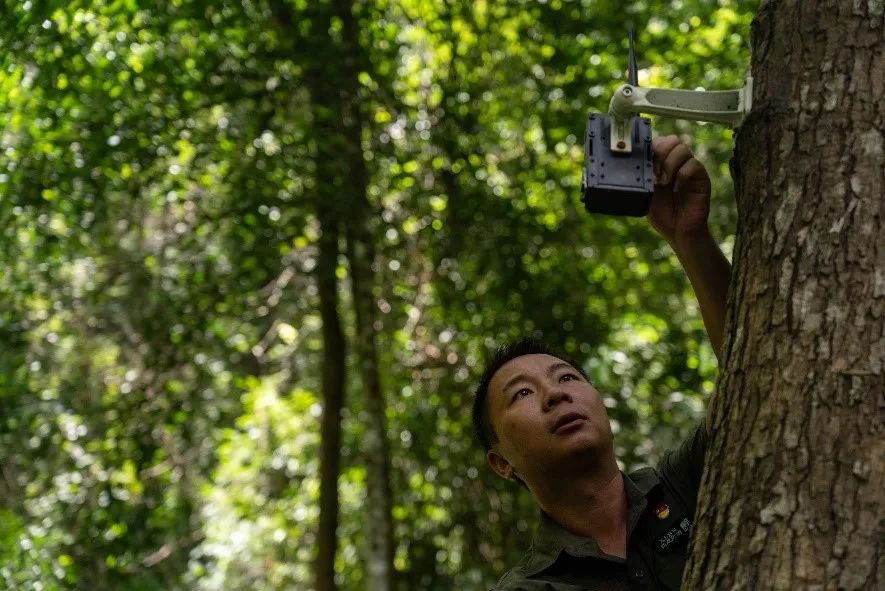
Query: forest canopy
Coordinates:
[160,374]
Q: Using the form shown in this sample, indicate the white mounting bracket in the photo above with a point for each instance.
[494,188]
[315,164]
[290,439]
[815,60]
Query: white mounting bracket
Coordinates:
[720,106]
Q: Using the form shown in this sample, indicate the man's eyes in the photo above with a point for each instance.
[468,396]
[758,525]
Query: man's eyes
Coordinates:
[521,390]
[525,391]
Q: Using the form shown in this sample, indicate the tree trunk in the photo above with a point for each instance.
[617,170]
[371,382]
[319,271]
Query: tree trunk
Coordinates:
[360,253]
[342,183]
[331,185]
[361,258]
[792,492]
[333,398]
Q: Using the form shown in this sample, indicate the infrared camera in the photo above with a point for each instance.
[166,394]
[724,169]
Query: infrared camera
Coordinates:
[618,174]
[617,183]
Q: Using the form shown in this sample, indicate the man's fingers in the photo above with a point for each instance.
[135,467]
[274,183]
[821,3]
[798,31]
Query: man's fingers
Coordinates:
[661,148]
[678,156]
[688,170]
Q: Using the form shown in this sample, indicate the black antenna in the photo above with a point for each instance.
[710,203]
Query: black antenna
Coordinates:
[632,77]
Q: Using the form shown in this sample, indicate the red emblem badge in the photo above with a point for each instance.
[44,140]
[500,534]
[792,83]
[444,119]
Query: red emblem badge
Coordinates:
[662,511]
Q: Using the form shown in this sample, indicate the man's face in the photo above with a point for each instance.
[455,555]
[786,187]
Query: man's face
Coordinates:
[543,411]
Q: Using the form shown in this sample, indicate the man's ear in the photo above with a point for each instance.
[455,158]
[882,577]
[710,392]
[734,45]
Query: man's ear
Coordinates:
[499,464]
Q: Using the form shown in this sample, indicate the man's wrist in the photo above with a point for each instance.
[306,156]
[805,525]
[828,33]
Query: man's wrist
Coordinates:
[687,244]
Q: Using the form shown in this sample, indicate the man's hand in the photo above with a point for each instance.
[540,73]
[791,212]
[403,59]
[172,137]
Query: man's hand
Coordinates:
[681,201]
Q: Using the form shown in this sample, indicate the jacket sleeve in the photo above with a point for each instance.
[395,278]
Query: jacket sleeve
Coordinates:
[683,467]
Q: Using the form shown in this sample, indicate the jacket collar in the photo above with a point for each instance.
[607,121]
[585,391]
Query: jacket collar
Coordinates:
[551,539]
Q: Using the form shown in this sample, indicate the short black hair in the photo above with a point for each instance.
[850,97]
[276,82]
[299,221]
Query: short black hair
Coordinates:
[482,423]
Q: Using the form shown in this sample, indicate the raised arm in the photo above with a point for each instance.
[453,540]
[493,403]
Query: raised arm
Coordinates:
[679,211]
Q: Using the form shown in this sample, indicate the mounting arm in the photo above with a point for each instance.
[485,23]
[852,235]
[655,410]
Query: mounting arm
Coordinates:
[721,106]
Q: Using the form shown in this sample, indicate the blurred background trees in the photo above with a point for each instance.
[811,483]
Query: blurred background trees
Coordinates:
[194,194]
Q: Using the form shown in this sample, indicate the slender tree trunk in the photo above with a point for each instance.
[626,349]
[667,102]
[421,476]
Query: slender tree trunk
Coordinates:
[792,492]
[361,258]
[330,191]
[333,381]
[360,253]
[342,186]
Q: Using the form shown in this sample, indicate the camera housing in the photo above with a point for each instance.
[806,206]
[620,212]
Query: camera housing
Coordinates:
[617,182]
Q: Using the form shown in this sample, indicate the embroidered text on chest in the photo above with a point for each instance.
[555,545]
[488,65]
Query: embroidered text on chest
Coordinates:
[673,534]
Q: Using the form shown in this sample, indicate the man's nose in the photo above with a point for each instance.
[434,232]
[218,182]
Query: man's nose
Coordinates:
[555,396]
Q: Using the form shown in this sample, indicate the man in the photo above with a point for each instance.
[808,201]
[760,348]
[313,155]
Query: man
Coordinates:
[544,425]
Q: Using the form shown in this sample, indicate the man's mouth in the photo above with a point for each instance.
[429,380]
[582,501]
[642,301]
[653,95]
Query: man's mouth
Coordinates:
[568,421]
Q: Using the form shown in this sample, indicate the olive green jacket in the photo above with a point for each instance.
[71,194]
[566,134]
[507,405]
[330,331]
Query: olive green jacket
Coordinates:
[661,506]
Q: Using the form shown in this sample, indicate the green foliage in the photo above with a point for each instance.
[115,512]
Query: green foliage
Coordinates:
[159,376]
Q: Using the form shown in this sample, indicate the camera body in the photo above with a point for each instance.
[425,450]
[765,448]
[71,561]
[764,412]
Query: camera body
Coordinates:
[617,183]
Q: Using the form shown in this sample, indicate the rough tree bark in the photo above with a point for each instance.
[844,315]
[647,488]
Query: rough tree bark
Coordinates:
[792,492]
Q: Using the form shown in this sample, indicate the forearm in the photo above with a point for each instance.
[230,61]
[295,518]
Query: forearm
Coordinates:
[709,273]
